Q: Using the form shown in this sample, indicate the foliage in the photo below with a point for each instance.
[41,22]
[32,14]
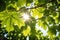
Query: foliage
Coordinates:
[42,13]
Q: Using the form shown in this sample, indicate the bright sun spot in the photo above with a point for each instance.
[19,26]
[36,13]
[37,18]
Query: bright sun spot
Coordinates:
[25,17]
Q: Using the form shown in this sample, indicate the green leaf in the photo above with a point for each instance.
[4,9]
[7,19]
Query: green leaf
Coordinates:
[50,20]
[19,22]
[21,3]
[29,1]
[9,25]
[42,1]
[3,15]
[58,27]
[46,12]
[16,28]
[2,5]
[58,1]
[42,24]
[11,8]
[26,31]
[52,31]
[37,13]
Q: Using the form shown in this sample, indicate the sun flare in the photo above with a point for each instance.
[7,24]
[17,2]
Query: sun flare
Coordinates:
[25,17]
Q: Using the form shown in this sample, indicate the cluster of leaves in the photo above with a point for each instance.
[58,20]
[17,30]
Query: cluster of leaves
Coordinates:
[44,13]
[14,35]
